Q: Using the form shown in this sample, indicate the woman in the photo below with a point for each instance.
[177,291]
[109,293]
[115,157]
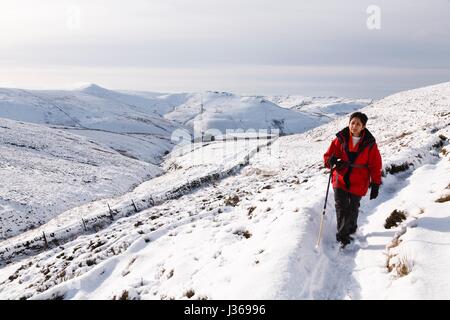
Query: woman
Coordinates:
[356,163]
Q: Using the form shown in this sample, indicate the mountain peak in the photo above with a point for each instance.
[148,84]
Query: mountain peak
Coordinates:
[89,87]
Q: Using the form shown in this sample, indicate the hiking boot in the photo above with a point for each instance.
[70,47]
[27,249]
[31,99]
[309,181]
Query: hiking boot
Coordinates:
[344,240]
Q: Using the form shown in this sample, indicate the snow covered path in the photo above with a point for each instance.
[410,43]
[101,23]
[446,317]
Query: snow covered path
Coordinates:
[361,271]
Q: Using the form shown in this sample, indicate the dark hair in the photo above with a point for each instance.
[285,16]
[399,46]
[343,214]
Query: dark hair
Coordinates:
[361,116]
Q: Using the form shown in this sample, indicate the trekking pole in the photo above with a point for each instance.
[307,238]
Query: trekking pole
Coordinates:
[324,208]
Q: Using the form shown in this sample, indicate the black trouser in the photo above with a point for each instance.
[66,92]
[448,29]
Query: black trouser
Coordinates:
[347,206]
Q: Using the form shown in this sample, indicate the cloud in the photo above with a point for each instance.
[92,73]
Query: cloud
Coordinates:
[348,81]
[203,34]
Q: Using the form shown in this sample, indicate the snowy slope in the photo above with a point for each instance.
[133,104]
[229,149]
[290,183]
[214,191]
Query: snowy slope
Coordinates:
[251,234]
[96,113]
[46,171]
[222,111]
[187,171]
[416,256]
[332,107]
[146,102]
[79,109]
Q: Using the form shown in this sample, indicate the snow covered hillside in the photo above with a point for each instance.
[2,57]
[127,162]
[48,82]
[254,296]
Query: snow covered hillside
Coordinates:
[222,111]
[146,102]
[331,107]
[47,171]
[190,168]
[140,124]
[96,113]
[241,222]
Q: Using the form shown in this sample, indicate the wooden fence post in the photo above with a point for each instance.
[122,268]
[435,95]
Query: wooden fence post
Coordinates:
[45,239]
[110,212]
[134,205]
[84,224]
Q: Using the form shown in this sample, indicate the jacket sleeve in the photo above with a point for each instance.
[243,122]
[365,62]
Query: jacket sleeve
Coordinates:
[333,149]
[375,165]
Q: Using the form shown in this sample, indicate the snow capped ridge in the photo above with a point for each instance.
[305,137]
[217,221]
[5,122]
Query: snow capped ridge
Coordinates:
[89,86]
[433,98]
[98,91]
[329,107]
[220,93]
[221,111]
[440,88]
[130,124]
[95,90]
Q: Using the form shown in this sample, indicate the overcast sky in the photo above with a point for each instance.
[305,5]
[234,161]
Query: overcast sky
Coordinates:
[321,47]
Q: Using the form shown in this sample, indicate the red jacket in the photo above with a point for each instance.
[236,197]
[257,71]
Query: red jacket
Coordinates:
[365,168]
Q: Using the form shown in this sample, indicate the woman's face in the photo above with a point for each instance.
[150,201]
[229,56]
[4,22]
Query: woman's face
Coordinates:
[356,127]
